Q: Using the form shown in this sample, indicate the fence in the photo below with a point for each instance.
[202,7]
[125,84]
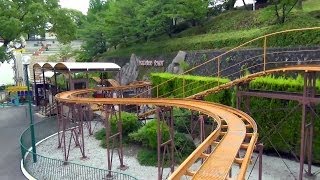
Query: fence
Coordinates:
[49,168]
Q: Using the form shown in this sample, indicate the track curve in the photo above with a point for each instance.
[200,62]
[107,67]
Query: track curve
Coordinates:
[232,125]
[305,68]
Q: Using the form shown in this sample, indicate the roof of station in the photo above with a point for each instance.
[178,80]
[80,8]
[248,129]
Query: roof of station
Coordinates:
[77,66]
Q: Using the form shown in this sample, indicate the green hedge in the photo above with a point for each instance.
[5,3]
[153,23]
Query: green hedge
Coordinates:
[170,85]
[268,112]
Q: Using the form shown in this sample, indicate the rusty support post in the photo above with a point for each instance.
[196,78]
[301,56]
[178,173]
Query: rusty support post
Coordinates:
[59,119]
[172,139]
[260,148]
[159,140]
[107,127]
[303,121]
[64,127]
[122,166]
[44,85]
[81,130]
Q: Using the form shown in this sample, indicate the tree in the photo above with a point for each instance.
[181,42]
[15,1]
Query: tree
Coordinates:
[33,17]
[283,8]
[93,32]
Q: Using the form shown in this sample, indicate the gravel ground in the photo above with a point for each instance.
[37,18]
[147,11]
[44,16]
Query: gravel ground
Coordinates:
[273,167]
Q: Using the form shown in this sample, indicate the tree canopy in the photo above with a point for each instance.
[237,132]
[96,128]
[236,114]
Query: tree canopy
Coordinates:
[111,24]
[35,17]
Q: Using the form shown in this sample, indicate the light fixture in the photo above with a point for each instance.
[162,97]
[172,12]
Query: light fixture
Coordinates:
[26,60]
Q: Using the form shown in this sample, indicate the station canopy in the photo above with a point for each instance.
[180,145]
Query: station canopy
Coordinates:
[77,66]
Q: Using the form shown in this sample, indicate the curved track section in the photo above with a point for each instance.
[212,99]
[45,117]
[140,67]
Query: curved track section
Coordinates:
[304,68]
[235,130]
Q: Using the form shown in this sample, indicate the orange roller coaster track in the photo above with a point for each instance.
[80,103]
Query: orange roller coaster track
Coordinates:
[235,129]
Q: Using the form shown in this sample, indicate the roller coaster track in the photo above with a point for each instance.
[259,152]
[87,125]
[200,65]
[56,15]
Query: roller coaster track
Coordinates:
[248,78]
[235,129]
[233,126]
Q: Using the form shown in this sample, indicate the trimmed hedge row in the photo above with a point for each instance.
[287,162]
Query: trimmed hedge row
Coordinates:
[266,112]
[171,85]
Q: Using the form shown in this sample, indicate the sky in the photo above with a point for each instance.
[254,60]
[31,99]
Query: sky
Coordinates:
[81,5]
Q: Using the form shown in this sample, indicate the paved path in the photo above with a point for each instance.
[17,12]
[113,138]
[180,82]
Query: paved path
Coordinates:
[13,121]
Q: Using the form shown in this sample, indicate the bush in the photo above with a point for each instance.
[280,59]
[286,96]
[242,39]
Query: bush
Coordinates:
[147,157]
[130,124]
[147,135]
[181,119]
[184,146]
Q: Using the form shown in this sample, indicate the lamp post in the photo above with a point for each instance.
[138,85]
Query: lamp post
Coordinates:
[26,62]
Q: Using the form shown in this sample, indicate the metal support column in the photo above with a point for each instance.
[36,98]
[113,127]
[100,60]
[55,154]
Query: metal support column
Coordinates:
[164,146]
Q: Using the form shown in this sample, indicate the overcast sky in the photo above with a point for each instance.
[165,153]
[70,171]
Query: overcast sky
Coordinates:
[81,5]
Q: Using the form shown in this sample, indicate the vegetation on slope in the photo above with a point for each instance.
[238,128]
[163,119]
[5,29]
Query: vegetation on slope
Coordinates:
[144,34]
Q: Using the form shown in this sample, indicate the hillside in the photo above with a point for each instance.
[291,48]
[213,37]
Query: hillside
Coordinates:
[233,28]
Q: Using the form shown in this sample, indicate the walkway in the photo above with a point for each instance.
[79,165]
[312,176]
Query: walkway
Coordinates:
[13,120]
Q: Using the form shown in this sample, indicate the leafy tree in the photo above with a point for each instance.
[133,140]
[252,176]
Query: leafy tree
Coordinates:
[283,8]
[92,31]
[33,17]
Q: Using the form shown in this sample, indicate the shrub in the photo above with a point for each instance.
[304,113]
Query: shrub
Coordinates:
[184,146]
[147,135]
[147,157]
[181,119]
[130,124]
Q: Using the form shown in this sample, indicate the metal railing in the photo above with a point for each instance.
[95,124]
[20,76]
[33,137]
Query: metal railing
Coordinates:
[262,62]
[50,168]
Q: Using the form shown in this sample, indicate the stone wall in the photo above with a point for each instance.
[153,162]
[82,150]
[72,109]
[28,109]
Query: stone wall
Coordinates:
[250,59]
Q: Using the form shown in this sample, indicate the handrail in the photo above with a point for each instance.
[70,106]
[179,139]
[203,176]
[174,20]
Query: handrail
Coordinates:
[218,58]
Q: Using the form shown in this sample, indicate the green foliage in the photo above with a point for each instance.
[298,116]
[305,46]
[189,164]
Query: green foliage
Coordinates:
[120,26]
[172,85]
[268,112]
[147,157]
[230,29]
[184,146]
[130,124]
[181,119]
[101,134]
[147,135]
[19,18]
[283,8]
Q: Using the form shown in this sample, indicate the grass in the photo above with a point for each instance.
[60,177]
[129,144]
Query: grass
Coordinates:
[310,5]
[227,30]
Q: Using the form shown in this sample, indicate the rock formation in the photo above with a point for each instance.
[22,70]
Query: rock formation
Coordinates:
[129,72]
[175,67]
